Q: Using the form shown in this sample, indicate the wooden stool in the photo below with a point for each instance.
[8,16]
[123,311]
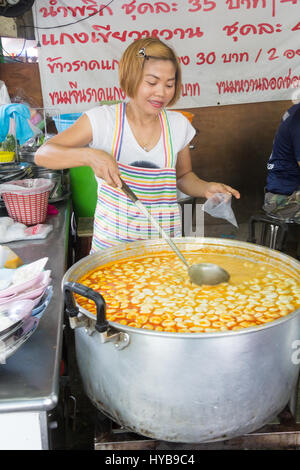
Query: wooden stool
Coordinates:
[84,235]
[273,230]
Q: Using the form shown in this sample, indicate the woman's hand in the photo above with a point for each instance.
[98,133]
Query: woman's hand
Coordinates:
[211,188]
[104,166]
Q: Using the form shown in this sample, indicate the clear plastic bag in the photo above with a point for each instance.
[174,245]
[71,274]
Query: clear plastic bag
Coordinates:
[219,205]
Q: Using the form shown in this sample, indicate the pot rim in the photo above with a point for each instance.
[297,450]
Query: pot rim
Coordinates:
[200,241]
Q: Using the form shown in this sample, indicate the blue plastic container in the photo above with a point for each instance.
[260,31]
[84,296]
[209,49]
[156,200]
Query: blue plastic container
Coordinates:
[65,121]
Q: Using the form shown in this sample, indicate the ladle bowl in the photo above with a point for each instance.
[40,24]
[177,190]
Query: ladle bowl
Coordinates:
[207,273]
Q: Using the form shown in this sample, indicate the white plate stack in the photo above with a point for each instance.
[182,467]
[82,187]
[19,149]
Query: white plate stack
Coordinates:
[25,293]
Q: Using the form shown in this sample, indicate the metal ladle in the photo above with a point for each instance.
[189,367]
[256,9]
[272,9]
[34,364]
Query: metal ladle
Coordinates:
[200,273]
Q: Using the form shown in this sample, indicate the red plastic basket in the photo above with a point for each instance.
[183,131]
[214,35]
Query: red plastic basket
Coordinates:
[29,210]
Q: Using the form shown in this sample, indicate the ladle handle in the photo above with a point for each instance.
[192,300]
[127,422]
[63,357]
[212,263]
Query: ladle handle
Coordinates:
[126,189]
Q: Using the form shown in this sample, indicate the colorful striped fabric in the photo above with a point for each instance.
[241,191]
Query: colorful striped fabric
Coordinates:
[167,139]
[119,129]
[116,218]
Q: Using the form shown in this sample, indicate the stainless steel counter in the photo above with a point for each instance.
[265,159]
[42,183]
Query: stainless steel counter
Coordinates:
[29,381]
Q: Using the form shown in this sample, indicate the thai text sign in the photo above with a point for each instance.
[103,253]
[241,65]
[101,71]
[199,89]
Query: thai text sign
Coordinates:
[231,51]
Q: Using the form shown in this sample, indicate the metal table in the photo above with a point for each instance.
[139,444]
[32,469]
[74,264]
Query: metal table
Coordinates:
[29,381]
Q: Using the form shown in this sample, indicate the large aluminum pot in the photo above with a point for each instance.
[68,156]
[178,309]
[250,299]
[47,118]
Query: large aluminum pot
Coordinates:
[181,387]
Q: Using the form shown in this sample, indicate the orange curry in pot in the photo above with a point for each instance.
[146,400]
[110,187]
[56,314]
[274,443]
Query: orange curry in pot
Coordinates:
[154,292]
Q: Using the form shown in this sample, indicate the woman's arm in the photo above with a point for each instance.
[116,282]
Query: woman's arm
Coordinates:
[68,149]
[189,183]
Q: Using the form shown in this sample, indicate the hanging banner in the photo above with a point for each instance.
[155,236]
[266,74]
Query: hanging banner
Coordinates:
[231,51]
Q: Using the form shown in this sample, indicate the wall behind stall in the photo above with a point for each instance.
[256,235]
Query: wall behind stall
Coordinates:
[232,145]
[23,79]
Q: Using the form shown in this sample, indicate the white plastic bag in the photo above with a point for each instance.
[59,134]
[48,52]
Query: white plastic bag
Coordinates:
[12,231]
[4,96]
[219,205]
[27,186]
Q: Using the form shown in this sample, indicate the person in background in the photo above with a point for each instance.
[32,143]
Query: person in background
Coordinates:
[140,141]
[282,193]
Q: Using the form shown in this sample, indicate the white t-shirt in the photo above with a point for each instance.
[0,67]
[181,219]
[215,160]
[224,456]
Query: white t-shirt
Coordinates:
[103,119]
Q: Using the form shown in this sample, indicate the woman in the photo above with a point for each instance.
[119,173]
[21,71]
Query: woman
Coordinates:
[141,142]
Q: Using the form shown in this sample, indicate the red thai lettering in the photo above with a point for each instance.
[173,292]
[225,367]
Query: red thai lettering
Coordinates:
[46,42]
[201,58]
[64,10]
[232,6]
[76,65]
[209,59]
[148,8]
[90,8]
[235,57]
[272,53]
[82,37]
[101,34]
[121,36]
[294,2]
[205,5]
[265,28]
[166,34]
[185,60]
[232,29]
[129,7]
[248,28]
[45,12]
[86,95]
[261,28]
[145,7]
[180,31]
[260,84]
[104,34]
[135,33]
[236,4]
[68,66]
[68,36]
[290,53]
[93,9]
[191,33]
[102,9]
[155,33]
[190,89]
[162,7]
[52,66]
[74,10]
[297,27]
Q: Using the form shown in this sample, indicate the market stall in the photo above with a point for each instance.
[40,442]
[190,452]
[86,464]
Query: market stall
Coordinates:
[165,362]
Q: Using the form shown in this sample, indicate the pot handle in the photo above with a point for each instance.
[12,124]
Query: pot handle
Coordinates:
[72,310]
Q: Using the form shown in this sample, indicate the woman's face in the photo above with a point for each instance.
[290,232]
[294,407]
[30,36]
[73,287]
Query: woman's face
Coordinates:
[157,86]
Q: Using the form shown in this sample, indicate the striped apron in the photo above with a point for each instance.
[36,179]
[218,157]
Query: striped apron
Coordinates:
[117,219]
